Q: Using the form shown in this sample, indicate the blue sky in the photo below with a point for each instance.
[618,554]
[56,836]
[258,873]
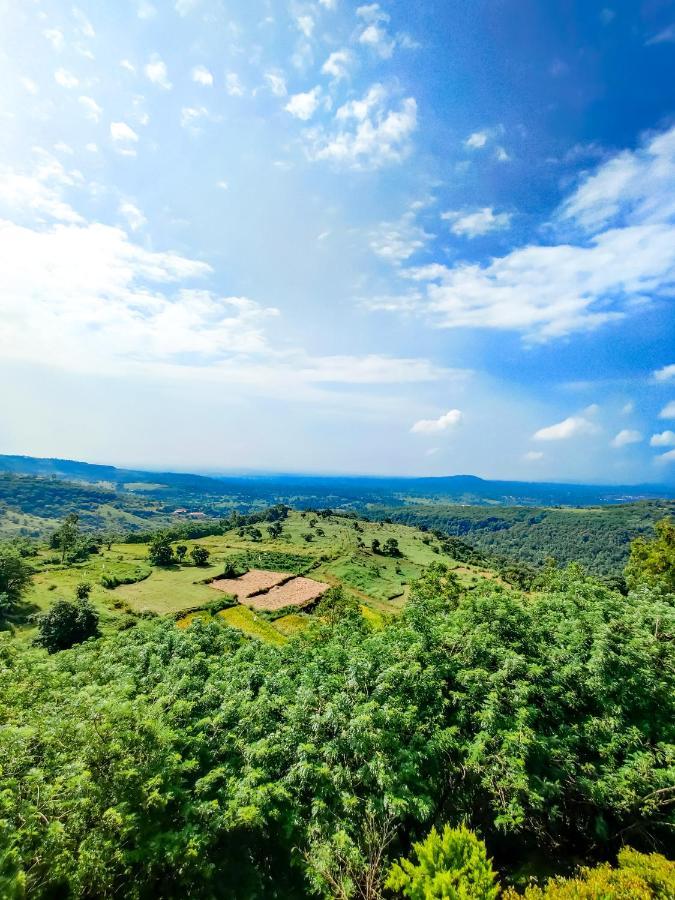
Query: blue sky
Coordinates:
[327,236]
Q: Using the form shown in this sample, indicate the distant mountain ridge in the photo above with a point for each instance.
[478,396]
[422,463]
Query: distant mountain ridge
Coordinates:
[327,489]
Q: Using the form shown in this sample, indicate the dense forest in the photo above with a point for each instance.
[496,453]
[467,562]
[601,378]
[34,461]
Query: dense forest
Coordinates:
[598,537]
[481,738]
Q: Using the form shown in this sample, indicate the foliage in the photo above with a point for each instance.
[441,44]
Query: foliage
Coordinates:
[638,876]
[65,537]
[15,578]
[82,590]
[181,551]
[200,555]
[277,560]
[653,562]
[124,573]
[163,762]
[65,624]
[448,866]
[160,551]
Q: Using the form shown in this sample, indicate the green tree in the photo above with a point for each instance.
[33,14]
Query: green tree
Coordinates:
[375,546]
[65,538]
[181,551]
[160,551]
[15,578]
[391,548]
[65,624]
[200,555]
[448,866]
[653,561]
[82,590]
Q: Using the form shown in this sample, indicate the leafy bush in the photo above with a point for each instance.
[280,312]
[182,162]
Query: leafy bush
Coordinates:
[66,624]
[638,876]
[125,573]
[452,866]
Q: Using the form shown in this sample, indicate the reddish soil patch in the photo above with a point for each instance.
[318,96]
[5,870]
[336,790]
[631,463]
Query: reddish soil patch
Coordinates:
[296,592]
[252,582]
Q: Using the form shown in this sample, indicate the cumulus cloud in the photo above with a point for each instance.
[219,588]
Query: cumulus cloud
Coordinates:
[473,224]
[373,33]
[449,419]
[571,427]
[476,140]
[664,439]
[201,75]
[367,133]
[666,457]
[337,65]
[303,106]
[626,436]
[122,133]
[666,373]
[668,411]
[156,71]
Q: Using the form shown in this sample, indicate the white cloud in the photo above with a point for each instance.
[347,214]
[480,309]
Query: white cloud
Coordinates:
[374,34]
[201,75]
[337,65]
[233,85]
[277,83]
[432,426]
[668,411]
[664,439]
[533,456]
[328,4]
[190,116]
[303,106]
[369,132]
[666,373]
[132,214]
[223,185]
[628,408]
[666,457]
[571,427]
[305,24]
[666,36]
[128,66]
[122,133]
[38,194]
[55,38]
[476,140]
[66,79]
[476,223]
[548,291]
[156,71]
[91,108]
[397,241]
[626,436]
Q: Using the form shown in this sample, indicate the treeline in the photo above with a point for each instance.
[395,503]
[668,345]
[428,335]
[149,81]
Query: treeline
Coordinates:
[597,537]
[160,762]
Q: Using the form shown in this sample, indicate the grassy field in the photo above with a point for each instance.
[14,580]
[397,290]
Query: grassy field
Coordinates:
[336,550]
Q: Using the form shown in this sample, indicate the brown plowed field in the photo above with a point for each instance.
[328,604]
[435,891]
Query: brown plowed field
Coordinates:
[296,592]
[251,583]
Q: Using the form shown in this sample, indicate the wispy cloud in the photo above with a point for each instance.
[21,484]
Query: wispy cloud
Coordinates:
[156,71]
[473,224]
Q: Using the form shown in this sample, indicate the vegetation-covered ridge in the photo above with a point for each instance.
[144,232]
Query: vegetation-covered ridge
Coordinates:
[156,761]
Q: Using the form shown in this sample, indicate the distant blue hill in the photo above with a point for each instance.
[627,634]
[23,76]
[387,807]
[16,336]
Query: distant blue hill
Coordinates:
[320,490]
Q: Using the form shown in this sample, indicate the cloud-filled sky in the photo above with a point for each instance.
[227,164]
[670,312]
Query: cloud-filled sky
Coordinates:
[325,236]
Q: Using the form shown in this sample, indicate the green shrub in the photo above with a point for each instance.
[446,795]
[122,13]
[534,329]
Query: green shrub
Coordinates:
[638,876]
[451,866]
